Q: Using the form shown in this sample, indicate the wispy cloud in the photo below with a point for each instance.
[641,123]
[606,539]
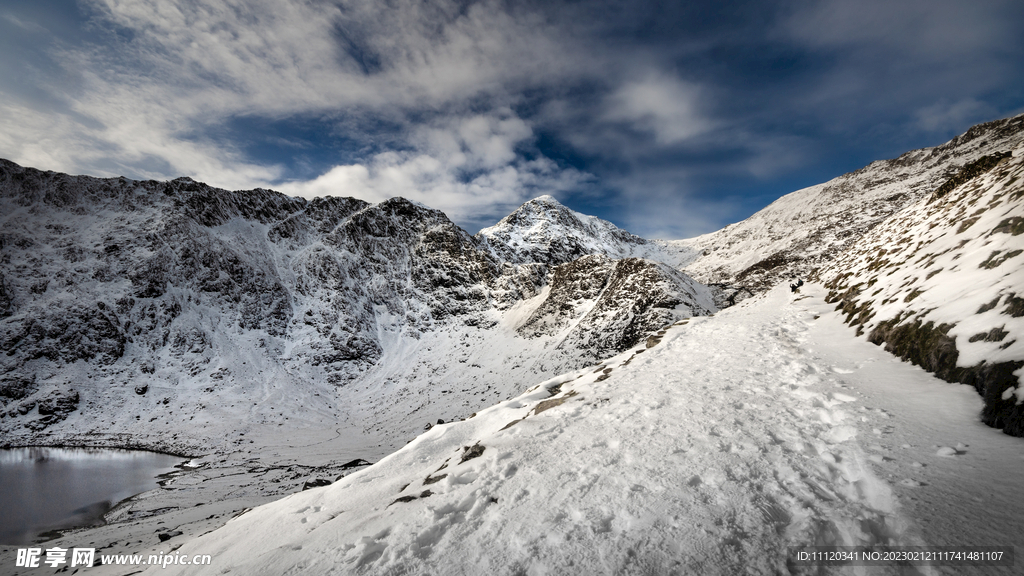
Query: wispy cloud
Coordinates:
[469,169]
[186,67]
[907,58]
[33,27]
[663,105]
[945,117]
[474,106]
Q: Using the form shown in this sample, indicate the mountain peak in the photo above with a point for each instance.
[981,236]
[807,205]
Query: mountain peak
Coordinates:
[545,199]
[546,231]
[545,207]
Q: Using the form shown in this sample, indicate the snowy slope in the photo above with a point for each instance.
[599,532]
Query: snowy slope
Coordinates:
[708,450]
[807,228]
[941,284]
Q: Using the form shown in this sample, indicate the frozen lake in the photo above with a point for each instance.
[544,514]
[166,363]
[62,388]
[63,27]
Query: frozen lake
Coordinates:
[44,489]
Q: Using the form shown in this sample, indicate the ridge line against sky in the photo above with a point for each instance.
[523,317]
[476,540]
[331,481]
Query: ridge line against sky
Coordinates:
[670,121]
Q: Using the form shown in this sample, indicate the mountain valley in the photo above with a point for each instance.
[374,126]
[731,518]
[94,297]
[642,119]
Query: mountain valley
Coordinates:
[355,349]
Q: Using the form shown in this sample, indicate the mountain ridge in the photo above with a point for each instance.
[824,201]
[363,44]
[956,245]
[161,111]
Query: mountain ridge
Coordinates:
[178,300]
[805,229]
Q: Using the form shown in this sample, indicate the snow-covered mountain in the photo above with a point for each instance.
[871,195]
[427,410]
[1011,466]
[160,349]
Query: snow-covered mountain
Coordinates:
[134,309]
[287,341]
[806,229]
[150,304]
[941,284]
[543,230]
[931,207]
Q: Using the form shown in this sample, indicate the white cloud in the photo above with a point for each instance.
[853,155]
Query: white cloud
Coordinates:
[662,105]
[162,88]
[467,168]
[33,27]
[945,116]
[147,103]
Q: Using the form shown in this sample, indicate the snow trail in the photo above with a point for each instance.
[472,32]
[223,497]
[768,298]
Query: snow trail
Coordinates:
[709,452]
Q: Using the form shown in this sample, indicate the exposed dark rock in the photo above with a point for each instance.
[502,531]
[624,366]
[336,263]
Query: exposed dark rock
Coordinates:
[928,346]
[633,297]
[1014,306]
[78,333]
[434,479]
[757,270]
[1013,226]
[546,405]
[315,483]
[470,452]
[969,172]
[6,298]
[925,345]
[998,412]
[16,386]
[355,464]
[993,335]
[511,424]
[997,257]
[986,307]
[726,295]
[55,408]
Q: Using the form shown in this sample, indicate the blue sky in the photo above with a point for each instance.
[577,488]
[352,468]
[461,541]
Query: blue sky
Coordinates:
[670,119]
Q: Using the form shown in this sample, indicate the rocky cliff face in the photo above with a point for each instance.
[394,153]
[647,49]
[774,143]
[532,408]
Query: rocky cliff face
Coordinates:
[130,308]
[608,305]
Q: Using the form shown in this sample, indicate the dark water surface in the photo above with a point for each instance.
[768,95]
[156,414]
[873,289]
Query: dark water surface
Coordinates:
[44,489]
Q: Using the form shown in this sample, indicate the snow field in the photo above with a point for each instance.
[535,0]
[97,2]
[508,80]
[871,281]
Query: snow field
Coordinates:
[957,479]
[709,453]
